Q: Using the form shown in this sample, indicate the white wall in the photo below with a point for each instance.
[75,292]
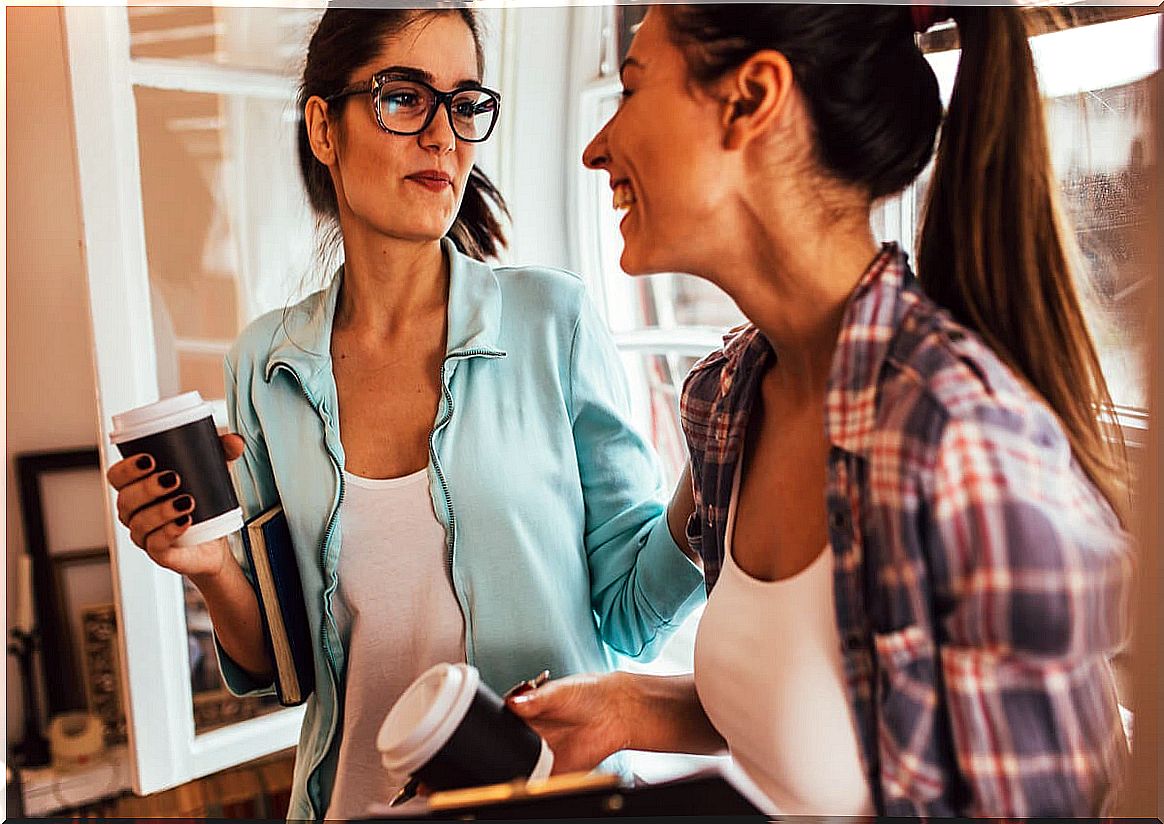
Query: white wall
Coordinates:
[50,398]
[532,140]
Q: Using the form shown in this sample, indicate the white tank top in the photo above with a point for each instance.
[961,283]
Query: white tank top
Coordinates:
[769,673]
[396,601]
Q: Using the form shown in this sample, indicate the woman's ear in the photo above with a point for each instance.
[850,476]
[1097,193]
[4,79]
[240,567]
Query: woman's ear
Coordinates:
[756,97]
[321,132]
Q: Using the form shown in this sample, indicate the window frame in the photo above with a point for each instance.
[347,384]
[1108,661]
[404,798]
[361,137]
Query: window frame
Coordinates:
[163,744]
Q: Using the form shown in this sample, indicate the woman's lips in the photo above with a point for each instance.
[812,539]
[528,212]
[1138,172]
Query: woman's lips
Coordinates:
[433,181]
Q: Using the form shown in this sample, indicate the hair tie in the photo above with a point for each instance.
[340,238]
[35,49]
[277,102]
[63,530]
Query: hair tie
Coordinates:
[924,17]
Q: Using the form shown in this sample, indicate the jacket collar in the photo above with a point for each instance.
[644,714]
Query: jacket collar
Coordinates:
[303,341]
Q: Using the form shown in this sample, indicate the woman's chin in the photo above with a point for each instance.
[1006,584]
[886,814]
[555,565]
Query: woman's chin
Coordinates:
[634,263]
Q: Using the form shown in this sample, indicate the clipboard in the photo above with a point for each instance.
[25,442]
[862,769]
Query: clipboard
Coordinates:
[716,792]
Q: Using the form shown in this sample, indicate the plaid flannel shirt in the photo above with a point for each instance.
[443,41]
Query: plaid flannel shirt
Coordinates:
[981,582]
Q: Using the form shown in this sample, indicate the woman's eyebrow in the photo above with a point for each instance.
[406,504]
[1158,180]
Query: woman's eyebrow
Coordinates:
[414,73]
[628,63]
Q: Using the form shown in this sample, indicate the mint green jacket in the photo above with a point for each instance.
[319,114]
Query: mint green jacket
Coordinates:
[558,545]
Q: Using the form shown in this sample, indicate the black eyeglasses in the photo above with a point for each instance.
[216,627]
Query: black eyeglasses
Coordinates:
[406,106]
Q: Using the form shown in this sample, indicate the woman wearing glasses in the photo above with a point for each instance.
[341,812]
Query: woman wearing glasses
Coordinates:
[454,459]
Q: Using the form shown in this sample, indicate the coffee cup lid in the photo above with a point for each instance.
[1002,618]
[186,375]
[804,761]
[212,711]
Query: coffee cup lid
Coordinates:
[425,716]
[159,416]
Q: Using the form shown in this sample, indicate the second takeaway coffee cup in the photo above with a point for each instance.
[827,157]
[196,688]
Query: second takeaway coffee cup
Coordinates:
[179,433]
[449,730]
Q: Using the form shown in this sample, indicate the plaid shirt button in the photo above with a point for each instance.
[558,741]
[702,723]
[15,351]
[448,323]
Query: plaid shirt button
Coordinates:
[839,520]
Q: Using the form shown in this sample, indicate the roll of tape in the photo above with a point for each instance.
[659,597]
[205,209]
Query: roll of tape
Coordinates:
[76,739]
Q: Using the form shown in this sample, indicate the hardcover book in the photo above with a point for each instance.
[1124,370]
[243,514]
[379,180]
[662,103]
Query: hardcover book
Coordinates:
[267,539]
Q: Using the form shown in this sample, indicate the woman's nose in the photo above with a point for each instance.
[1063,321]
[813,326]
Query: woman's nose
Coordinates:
[439,135]
[595,156]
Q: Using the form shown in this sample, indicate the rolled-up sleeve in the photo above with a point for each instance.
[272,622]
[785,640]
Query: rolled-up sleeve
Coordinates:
[642,585]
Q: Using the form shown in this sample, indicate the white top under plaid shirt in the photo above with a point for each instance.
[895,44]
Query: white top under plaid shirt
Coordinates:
[982,583]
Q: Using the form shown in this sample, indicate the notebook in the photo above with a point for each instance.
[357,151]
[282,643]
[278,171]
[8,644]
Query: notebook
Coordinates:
[267,539]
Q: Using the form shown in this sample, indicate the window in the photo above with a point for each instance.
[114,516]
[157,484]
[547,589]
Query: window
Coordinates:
[1098,114]
[228,232]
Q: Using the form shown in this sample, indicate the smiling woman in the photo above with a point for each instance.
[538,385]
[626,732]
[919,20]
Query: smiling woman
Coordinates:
[899,484]
[384,411]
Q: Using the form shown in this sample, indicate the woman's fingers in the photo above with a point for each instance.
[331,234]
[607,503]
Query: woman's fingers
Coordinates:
[570,699]
[144,492]
[129,470]
[232,446]
[150,519]
[163,539]
[576,716]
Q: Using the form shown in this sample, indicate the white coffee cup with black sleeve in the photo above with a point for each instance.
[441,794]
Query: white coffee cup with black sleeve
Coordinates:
[449,730]
[180,435]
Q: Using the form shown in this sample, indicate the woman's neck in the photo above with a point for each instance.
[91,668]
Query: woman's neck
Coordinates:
[391,284]
[793,281]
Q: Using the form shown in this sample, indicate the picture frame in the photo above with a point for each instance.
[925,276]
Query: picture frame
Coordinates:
[63,511]
[103,670]
[83,579]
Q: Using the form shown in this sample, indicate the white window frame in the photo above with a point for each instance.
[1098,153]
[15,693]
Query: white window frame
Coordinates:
[164,747]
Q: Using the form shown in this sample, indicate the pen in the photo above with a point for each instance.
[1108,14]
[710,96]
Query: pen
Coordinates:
[406,793]
[527,685]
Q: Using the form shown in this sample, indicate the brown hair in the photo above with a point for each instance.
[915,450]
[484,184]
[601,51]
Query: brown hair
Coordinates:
[993,249]
[345,39]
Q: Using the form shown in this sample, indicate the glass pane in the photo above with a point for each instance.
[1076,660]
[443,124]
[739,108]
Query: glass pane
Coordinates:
[269,39]
[655,381]
[214,706]
[228,231]
[228,236]
[1100,141]
[1099,121]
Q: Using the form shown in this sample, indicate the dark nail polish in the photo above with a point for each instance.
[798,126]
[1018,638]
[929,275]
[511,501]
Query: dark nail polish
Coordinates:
[168,479]
[185,519]
[144,462]
[183,502]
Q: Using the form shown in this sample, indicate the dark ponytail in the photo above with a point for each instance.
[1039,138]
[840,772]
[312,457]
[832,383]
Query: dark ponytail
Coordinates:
[994,247]
[345,39]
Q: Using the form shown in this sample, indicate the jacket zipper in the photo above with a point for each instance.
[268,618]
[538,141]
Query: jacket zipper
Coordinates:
[450,540]
[333,669]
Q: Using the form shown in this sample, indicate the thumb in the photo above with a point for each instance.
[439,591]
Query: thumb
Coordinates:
[232,446]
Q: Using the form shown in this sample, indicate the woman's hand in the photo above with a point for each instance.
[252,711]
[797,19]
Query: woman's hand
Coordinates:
[156,520]
[582,718]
